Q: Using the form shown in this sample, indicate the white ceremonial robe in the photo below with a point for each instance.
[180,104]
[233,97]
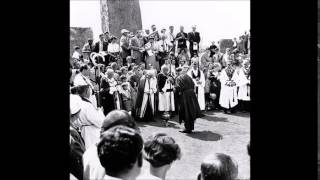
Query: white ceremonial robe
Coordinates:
[200,94]
[91,120]
[80,80]
[228,95]
[148,92]
[244,88]
[166,99]
[92,169]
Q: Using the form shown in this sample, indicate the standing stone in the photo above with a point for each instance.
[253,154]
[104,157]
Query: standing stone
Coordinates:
[120,14]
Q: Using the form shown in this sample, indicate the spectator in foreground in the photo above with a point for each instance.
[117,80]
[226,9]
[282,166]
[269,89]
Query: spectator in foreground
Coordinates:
[120,153]
[77,146]
[161,151]
[91,163]
[218,166]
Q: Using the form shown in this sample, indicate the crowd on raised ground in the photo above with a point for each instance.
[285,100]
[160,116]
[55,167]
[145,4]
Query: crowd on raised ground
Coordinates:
[136,79]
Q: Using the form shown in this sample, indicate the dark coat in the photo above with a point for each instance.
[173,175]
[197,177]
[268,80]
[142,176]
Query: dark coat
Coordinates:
[193,37]
[97,45]
[189,109]
[77,149]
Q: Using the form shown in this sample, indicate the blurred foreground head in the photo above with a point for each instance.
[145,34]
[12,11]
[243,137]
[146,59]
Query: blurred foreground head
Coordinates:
[218,166]
[120,152]
[161,149]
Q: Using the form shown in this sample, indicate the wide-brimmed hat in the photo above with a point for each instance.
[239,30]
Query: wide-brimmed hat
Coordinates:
[124,31]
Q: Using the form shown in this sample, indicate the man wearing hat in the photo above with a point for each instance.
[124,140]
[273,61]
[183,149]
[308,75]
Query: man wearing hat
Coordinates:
[124,45]
[194,39]
[77,146]
[189,109]
[137,47]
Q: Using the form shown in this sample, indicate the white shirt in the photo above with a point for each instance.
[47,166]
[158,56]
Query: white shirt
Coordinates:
[170,36]
[113,48]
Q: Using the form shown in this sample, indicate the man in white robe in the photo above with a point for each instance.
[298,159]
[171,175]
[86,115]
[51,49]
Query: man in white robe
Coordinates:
[244,86]
[166,94]
[146,96]
[228,93]
[82,78]
[199,81]
[90,117]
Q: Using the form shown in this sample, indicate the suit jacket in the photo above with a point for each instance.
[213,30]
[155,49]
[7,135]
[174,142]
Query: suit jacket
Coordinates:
[124,47]
[135,44]
[97,45]
[182,43]
[193,37]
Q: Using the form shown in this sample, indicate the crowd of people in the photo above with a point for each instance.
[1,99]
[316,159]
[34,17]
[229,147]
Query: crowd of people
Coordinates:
[121,152]
[113,85]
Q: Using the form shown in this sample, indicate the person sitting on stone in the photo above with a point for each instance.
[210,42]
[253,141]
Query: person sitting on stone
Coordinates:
[218,166]
[161,150]
[120,153]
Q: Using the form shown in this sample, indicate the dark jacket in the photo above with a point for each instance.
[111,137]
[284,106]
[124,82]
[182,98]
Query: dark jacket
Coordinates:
[193,37]
[77,149]
[97,45]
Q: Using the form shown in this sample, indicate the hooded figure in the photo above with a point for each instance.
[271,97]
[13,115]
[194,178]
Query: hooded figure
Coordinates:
[145,103]
[199,81]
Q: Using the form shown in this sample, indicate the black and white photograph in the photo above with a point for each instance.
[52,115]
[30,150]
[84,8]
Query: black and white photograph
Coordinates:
[160,90]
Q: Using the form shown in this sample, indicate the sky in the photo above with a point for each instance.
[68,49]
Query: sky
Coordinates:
[215,19]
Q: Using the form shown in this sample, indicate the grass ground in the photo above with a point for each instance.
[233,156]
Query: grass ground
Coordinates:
[216,132]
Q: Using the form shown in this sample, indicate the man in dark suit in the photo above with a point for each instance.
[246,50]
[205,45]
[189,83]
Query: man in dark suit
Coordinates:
[194,39]
[181,39]
[101,46]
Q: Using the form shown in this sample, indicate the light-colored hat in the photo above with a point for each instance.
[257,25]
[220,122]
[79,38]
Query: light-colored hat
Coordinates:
[124,31]
[75,101]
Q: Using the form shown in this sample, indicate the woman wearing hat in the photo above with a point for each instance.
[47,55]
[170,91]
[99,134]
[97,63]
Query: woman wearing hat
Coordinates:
[151,49]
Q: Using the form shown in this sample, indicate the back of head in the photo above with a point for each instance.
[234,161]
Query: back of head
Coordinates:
[118,117]
[119,149]
[161,149]
[219,166]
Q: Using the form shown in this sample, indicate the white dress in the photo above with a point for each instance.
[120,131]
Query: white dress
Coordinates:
[200,85]
[228,95]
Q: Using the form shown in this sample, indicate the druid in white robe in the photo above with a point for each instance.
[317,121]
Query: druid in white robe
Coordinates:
[166,95]
[228,93]
[199,82]
[244,85]
[91,119]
